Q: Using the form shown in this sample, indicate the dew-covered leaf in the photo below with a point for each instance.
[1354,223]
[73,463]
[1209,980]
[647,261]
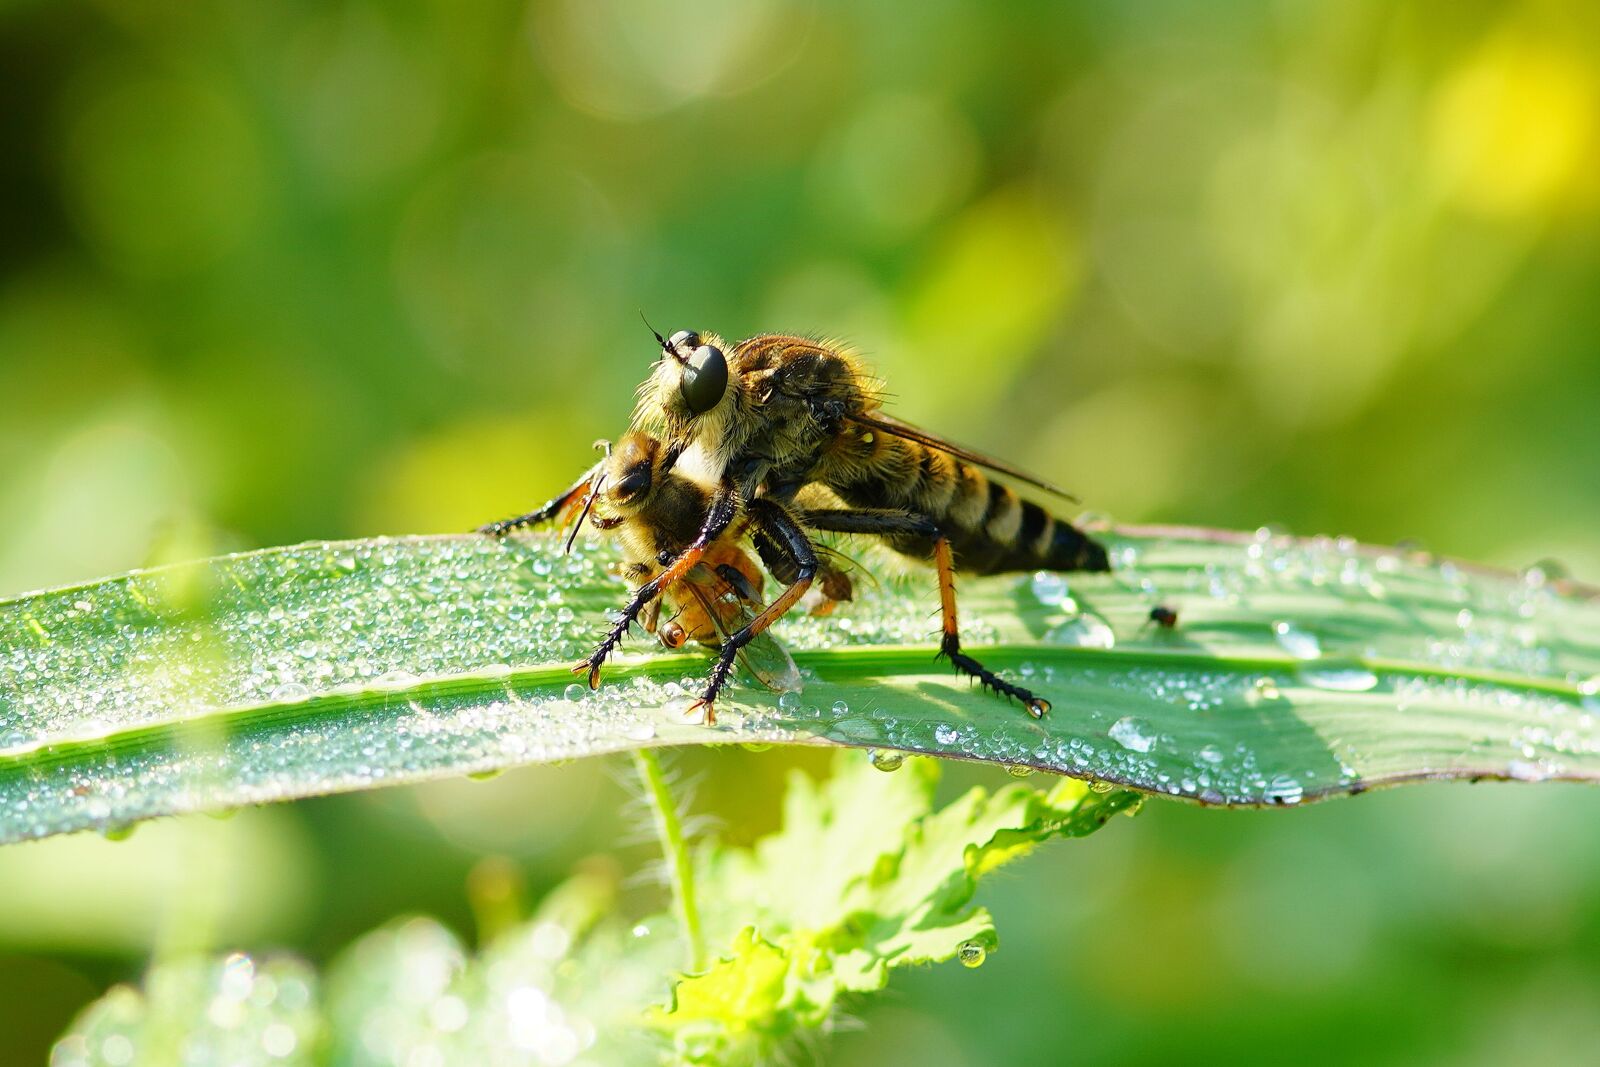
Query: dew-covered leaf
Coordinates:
[1297,670]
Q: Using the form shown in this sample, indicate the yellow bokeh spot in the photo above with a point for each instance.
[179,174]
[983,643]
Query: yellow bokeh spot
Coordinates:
[1513,129]
[472,471]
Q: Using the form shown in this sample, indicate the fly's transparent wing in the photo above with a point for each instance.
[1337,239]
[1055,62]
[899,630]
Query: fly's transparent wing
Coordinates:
[764,656]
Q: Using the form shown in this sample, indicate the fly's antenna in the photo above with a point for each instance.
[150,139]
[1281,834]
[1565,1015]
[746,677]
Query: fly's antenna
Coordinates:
[662,341]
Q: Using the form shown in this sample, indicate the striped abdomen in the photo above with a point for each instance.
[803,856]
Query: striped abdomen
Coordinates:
[991,528]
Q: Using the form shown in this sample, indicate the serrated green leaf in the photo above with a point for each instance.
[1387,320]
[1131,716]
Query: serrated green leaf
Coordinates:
[862,878]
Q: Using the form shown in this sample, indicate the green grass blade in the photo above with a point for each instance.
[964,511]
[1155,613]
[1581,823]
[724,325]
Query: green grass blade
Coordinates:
[1300,669]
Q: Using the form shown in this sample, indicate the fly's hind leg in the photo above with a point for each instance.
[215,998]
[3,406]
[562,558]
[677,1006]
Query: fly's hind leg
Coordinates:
[784,536]
[889,522]
[950,643]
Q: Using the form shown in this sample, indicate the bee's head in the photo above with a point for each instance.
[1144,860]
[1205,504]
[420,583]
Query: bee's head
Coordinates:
[633,467]
[690,379]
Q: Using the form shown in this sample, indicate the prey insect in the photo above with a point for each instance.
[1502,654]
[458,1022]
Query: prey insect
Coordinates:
[653,512]
[788,431]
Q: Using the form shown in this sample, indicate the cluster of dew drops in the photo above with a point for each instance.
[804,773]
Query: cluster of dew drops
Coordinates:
[1484,623]
[288,625]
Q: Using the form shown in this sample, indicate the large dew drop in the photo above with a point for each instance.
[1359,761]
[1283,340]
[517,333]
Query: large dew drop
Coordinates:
[1299,643]
[1340,679]
[886,759]
[1133,734]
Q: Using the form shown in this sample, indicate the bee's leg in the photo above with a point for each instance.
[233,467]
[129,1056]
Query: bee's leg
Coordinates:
[724,507]
[784,535]
[891,522]
[561,508]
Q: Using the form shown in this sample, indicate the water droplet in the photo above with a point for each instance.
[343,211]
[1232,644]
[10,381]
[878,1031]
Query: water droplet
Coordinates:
[946,734]
[789,701]
[1297,642]
[1085,631]
[118,832]
[1133,734]
[1283,789]
[289,693]
[1019,770]
[1266,689]
[886,759]
[841,707]
[972,954]
[1049,587]
[1543,572]
[394,680]
[1211,754]
[575,692]
[1589,694]
[1342,679]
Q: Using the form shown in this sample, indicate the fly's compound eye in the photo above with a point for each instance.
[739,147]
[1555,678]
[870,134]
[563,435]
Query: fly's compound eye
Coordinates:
[705,379]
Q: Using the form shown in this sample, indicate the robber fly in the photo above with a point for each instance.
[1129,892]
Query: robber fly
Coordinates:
[653,512]
[788,431]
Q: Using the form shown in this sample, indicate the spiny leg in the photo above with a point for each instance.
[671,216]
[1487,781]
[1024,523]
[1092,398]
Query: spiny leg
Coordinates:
[785,536]
[724,507]
[561,508]
[891,522]
[950,643]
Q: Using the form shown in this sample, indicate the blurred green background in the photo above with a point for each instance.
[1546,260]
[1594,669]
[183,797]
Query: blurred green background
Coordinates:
[273,271]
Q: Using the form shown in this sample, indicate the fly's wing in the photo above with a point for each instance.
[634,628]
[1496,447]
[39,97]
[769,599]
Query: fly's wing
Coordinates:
[763,656]
[895,428]
[562,509]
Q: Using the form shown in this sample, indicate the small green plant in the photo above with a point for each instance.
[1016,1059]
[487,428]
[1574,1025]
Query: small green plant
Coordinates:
[788,936]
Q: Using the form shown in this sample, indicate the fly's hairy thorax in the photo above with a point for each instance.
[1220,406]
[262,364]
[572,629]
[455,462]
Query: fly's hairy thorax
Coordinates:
[795,397]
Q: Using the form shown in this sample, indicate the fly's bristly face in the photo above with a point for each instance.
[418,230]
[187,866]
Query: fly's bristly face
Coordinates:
[691,389]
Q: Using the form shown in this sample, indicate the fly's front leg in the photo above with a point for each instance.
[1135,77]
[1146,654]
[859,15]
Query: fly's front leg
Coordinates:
[786,536]
[724,507]
[890,522]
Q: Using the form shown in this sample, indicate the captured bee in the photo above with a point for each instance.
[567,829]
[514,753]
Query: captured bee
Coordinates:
[654,512]
[788,431]
[1164,617]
